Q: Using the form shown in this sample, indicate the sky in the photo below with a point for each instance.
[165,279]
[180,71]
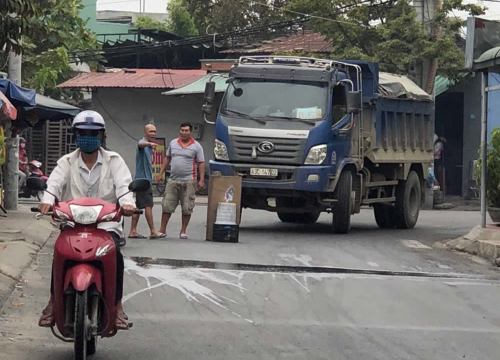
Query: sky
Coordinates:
[159,6]
[156,6]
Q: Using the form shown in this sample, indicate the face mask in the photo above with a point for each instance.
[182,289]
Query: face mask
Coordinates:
[88,144]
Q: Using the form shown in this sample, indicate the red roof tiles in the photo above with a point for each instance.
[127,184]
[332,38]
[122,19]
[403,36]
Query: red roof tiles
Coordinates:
[135,78]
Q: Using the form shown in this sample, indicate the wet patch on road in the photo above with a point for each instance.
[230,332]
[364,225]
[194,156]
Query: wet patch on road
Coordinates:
[144,262]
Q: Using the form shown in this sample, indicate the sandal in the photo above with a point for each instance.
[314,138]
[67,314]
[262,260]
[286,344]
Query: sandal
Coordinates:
[47,319]
[183,236]
[137,236]
[122,322]
[158,236]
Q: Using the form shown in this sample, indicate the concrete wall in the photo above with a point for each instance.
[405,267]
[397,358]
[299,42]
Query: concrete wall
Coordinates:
[89,14]
[126,111]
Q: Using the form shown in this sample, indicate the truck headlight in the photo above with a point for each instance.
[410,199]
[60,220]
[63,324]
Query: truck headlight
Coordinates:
[220,151]
[316,155]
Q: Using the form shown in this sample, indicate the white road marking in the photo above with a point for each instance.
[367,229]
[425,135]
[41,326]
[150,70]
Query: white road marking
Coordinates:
[414,244]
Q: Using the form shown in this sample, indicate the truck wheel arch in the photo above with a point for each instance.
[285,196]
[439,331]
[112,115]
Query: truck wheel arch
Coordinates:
[349,166]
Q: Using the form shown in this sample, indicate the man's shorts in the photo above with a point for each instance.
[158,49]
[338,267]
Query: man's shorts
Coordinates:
[179,192]
[144,199]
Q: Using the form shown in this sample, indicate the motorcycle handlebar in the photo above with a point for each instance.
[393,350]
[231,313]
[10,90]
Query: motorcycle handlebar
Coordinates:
[137,211]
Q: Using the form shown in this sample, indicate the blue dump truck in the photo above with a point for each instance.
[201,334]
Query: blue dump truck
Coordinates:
[312,135]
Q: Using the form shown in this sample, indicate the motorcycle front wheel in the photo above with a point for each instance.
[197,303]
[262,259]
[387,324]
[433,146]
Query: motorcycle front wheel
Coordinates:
[81,325]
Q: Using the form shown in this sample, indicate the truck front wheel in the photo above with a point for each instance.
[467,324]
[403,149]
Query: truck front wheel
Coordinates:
[299,218]
[408,201]
[342,208]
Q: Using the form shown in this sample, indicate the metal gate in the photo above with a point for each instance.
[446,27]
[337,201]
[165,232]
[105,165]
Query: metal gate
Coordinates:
[58,142]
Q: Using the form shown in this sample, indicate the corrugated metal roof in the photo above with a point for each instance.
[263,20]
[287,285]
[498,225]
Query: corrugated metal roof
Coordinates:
[489,59]
[135,78]
[198,87]
[441,85]
[306,41]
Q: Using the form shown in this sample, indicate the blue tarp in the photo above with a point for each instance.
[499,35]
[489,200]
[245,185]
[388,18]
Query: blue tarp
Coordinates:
[17,95]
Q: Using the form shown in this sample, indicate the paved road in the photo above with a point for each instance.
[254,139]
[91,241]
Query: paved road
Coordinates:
[378,295]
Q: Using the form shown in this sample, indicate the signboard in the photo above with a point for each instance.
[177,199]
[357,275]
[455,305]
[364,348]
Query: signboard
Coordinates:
[157,158]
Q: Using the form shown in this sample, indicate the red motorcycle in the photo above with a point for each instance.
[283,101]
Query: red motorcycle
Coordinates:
[84,269]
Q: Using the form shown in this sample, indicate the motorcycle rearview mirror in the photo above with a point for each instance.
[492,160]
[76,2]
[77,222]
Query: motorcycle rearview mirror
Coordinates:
[36,184]
[139,185]
[135,186]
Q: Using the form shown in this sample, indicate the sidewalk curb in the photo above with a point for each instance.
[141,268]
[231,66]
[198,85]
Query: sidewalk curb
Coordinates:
[481,242]
[21,238]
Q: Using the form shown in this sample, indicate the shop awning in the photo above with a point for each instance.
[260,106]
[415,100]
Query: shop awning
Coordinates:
[50,109]
[17,95]
[198,86]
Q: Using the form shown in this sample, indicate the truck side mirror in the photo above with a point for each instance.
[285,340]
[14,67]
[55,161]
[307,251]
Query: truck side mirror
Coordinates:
[354,102]
[208,102]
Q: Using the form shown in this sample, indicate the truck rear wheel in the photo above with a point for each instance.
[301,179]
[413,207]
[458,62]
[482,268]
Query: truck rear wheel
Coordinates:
[342,208]
[385,216]
[408,201]
[299,218]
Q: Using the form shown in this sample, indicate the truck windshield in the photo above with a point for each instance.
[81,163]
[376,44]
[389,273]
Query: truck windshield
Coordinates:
[271,100]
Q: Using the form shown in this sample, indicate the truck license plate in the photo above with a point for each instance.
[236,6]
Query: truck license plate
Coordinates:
[263,172]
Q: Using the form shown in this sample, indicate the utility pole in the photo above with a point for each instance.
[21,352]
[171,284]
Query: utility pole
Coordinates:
[12,143]
[425,73]
[433,65]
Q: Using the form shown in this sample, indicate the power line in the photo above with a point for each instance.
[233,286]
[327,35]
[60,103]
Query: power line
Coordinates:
[310,15]
[324,18]
[79,54]
[113,120]
[199,40]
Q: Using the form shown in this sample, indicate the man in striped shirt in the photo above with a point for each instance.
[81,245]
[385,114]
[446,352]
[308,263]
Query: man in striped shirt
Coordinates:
[187,174]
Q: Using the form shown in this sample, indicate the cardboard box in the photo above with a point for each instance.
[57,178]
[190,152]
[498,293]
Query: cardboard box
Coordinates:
[218,187]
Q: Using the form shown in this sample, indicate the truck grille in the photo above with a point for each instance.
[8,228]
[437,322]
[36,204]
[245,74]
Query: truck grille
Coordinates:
[286,151]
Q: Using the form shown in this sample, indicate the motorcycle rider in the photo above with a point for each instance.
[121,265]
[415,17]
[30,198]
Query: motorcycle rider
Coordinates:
[91,171]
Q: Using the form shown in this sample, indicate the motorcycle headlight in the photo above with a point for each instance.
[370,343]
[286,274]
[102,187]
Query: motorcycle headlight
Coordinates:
[220,151]
[85,214]
[316,155]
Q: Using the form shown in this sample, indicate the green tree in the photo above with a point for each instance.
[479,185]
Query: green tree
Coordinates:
[228,15]
[51,42]
[15,21]
[145,22]
[179,20]
[389,33]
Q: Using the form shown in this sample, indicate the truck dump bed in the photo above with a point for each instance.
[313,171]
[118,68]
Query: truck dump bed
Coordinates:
[404,122]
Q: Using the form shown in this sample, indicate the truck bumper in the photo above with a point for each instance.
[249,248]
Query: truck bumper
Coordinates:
[299,178]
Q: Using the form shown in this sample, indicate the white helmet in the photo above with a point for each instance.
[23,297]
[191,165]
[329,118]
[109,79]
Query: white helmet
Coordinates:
[89,120]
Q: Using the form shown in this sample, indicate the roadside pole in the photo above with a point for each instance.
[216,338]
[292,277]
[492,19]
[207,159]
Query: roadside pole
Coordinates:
[12,143]
[484,144]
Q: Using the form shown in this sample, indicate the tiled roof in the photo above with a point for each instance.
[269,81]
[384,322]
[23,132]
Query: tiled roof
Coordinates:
[135,78]
[303,41]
